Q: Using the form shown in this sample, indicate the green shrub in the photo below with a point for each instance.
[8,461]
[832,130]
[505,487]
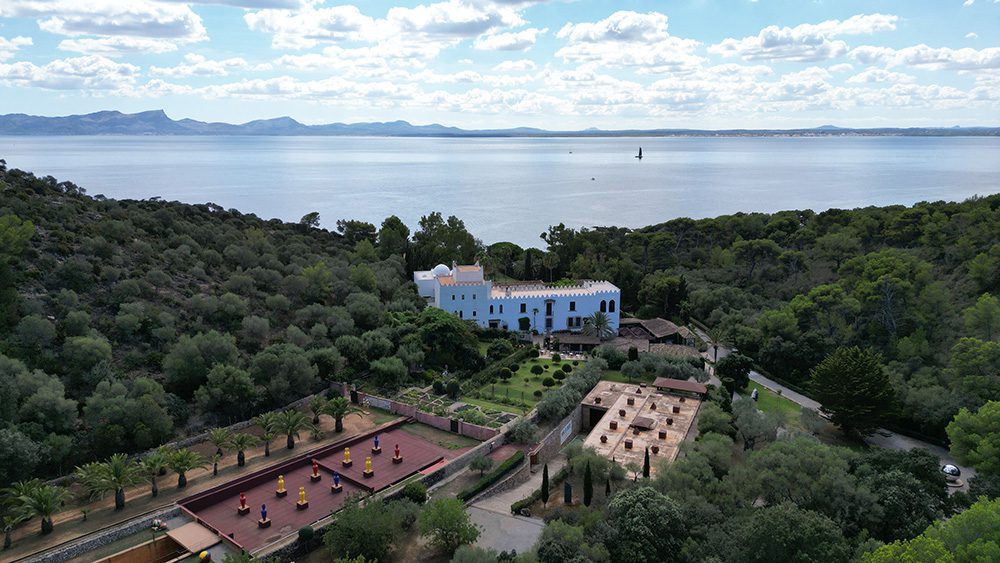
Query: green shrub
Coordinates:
[576,362]
[548,382]
[536,495]
[559,375]
[406,511]
[536,369]
[556,357]
[514,367]
[534,352]
[506,374]
[567,368]
[537,393]
[492,477]
[415,491]
[439,387]
[306,534]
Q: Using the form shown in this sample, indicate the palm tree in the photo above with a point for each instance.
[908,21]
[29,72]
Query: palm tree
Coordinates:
[338,408]
[150,468]
[115,474]
[183,460]
[220,437]
[42,500]
[242,442]
[10,521]
[266,422]
[598,324]
[290,423]
[317,405]
[215,464]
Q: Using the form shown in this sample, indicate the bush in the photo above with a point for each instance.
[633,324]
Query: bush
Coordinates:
[537,393]
[439,387]
[559,375]
[576,362]
[536,369]
[536,495]
[415,491]
[453,388]
[548,382]
[546,367]
[534,353]
[514,367]
[523,431]
[406,511]
[556,357]
[506,374]
[492,477]
[567,368]
[306,534]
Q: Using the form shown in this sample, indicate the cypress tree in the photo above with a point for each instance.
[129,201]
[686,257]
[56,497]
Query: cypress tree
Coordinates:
[645,465]
[528,268]
[607,488]
[545,484]
[588,486]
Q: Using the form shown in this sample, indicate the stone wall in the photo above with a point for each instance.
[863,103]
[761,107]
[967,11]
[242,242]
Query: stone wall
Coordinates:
[470,430]
[520,475]
[99,538]
[549,446]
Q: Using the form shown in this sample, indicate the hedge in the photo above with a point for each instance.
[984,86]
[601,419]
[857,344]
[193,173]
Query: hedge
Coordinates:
[559,477]
[492,477]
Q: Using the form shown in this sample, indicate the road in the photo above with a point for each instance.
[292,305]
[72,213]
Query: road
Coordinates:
[882,438]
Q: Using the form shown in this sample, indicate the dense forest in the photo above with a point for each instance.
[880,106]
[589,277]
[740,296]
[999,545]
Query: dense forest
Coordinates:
[124,324]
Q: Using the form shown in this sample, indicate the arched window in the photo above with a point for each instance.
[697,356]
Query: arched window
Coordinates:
[491,309]
[611,306]
[604,306]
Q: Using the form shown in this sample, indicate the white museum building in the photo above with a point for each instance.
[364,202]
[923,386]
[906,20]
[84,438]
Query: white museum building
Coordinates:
[463,291]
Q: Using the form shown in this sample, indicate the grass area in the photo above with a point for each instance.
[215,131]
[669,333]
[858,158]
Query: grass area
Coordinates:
[769,401]
[483,346]
[523,385]
[492,406]
[380,416]
[439,437]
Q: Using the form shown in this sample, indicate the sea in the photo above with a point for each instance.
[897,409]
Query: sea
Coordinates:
[513,189]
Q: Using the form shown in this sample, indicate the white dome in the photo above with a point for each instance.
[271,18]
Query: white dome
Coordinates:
[441,270]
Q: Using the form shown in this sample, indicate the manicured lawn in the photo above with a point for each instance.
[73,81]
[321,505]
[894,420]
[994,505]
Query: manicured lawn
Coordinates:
[439,437]
[523,384]
[769,401]
[494,406]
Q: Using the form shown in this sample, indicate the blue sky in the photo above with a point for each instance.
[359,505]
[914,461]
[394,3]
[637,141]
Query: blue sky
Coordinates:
[504,63]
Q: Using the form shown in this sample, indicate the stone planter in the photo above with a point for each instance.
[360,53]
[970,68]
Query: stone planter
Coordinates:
[676,409]
[597,401]
[663,434]
[652,406]
[630,401]
[655,449]
[670,422]
[621,413]
[613,425]
[604,439]
[682,399]
[635,431]
[628,443]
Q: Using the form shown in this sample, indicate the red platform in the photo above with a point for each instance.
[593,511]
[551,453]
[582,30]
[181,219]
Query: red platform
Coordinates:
[214,507]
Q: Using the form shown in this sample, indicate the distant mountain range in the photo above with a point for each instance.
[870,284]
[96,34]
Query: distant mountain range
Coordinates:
[157,123]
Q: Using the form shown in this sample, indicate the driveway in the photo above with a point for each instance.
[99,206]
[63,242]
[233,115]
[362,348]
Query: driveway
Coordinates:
[504,532]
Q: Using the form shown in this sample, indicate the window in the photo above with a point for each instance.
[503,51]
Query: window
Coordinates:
[611,306]
[572,305]
[569,322]
[473,295]
[473,313]
[524,307]
[491,309]
[604,306]
[463,297]
[453,297]
[501,309]
[461,315]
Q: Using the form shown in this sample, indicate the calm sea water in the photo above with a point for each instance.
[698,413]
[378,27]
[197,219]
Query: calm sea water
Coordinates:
[513,189]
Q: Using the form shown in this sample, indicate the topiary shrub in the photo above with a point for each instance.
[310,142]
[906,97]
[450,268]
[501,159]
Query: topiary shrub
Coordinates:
[548,382]
[453,389]
[306,534]
[567,368]
[576,362]
[536,369]
[415,491]
[559,375]
[545,367]
[533,353]
[506,374]
[556,357]
[438,387]
[537,393]
[514,367]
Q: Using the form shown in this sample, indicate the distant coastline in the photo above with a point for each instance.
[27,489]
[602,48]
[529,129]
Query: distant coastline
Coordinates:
[157,122]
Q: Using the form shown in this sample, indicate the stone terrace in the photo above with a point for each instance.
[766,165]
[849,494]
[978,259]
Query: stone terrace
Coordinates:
[642,416]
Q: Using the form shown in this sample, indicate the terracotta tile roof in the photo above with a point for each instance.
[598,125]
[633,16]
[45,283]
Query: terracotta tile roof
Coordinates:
[680,385]
[446,280]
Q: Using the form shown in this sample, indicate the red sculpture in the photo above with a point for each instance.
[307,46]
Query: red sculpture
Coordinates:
[315,468]
[397,450]
[243,500]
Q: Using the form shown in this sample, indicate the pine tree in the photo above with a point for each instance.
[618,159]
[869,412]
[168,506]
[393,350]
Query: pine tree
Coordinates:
[545,484]
[645,465]
[588,486]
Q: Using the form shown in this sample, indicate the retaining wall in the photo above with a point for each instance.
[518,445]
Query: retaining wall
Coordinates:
[467,429]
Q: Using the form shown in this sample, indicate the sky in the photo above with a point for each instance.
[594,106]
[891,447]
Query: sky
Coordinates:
[555,64]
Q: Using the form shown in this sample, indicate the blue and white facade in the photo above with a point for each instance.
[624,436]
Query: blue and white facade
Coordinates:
[463,291]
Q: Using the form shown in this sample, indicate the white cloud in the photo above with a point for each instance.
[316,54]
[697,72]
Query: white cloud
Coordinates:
[870,75]
[931,58]
[972,35]
[520,65]
[117,46]
[513,41]
[842,67]
[9,46]
[197,65]
[79,73]
[453,18]
[805,42]
[629,39]
[114,26]
[305,28]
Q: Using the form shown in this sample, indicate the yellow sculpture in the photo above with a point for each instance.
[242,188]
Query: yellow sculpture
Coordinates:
[347,455]
[281,483]
[302,495]
[368,464]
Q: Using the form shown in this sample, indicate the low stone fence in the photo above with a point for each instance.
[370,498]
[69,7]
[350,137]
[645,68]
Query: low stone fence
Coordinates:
[455,426]
[102,537]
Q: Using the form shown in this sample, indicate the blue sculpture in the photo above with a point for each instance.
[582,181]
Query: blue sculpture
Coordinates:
[263,512]
[376,441]
[336,479]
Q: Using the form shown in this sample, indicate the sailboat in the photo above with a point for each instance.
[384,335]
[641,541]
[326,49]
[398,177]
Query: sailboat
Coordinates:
[639,156]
